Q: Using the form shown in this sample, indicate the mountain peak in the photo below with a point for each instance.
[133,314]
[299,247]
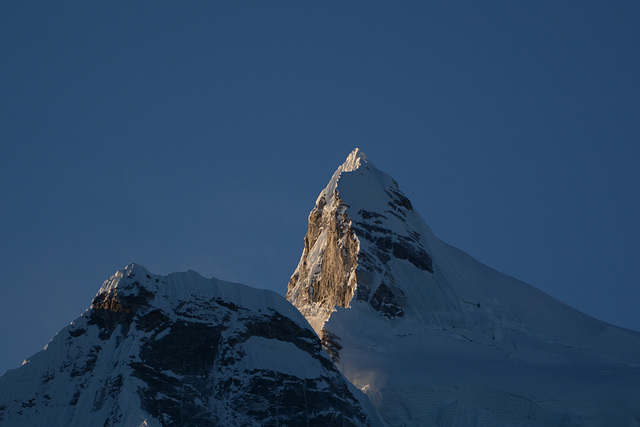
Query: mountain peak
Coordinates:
[182,350]
[123,282]
[354,160]
[379,287]
[361,222]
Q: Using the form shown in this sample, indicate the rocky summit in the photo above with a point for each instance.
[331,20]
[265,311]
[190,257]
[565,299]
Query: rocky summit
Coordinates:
[182,350]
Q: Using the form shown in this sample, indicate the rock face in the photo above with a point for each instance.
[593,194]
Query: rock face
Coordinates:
[332,282]
[182,350]
[436,338]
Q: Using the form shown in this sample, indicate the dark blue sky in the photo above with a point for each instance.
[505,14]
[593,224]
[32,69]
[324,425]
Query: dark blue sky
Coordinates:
[197,135]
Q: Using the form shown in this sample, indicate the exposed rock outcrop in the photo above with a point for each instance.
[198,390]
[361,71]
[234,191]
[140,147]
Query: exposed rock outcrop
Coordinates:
[332,282]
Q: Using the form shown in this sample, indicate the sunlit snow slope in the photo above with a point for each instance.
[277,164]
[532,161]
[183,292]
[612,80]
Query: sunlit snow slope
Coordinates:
[182,350]
[435,337]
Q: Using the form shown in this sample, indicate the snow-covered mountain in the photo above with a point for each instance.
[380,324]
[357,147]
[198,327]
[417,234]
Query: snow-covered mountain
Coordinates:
[182,350]
[429,334]
[435,337]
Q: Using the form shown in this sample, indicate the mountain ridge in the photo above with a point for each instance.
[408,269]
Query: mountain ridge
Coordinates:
[399,329]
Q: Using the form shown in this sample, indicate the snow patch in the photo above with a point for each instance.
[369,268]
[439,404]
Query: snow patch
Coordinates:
[279,356]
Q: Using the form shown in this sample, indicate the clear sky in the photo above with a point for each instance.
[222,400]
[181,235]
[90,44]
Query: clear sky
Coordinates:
[197,135]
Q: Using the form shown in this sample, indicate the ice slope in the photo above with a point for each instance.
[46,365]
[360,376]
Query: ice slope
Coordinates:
[435,337]
[182,350]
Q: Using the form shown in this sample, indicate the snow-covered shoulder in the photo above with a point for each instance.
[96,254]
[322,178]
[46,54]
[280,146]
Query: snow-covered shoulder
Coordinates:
[163,291]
